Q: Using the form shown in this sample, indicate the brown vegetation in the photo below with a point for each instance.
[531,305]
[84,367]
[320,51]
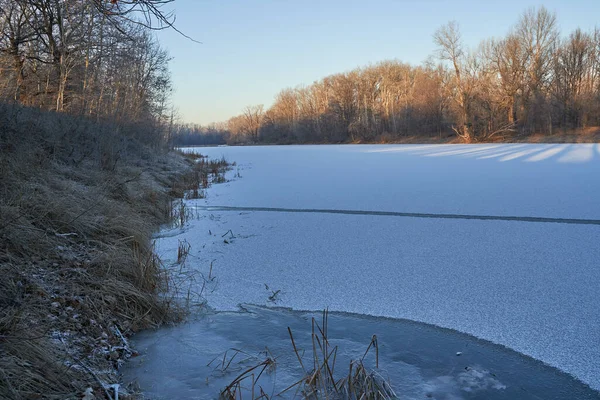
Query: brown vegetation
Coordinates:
[92,58]
[530,82]
[320,379]
[81,191]
[79,201]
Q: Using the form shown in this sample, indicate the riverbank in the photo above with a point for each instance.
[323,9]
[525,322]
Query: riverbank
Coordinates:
[79,202]
[582,135]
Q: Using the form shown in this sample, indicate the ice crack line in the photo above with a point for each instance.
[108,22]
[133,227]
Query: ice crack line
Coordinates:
[573,221]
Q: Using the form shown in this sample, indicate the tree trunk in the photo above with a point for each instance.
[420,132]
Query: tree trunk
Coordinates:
[511,111]
[19,70]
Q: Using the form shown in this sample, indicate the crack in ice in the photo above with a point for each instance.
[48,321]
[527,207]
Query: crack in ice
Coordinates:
[572,221]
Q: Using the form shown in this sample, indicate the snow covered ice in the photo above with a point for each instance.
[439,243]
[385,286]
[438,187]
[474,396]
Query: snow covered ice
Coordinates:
[531,286]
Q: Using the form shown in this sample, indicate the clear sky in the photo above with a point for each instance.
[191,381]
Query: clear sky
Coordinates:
[251,49]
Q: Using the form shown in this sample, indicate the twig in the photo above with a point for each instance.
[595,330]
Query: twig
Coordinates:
[225,234]
[89,370]
[296,349]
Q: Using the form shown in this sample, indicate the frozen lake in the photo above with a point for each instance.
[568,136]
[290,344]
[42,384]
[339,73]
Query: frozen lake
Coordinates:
[420,361]
[556,180]
[302,234]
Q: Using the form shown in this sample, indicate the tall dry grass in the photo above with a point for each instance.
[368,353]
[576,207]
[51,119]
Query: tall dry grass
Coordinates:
[320,379]
[79,201]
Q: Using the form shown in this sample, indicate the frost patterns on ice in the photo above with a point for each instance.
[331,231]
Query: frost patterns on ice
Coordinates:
[529,286]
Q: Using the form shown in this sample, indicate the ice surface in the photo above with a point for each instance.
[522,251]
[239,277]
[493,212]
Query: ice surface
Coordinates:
[529,286]
[419,360]
[548,180]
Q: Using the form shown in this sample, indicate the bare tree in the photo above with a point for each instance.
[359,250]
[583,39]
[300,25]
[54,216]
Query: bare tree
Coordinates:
[538,32]
[529,81]
[84,57]
[15,33]
[509,59]
[572,69]
[150,13]
[450,47]
[253,118]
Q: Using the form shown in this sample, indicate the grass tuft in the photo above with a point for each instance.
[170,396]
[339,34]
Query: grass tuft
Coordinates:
[318,382]
[182,251]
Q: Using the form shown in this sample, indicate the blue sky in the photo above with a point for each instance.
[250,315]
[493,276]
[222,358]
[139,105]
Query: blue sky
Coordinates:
[251,49]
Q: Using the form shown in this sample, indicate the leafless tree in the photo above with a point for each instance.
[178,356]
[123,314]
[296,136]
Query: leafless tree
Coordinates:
[252,120]
[451,49]
[85,57]
[537,30]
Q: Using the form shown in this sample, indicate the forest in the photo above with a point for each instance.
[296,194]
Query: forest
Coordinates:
[531,81]
[93,58]
[97,60]
[85,180]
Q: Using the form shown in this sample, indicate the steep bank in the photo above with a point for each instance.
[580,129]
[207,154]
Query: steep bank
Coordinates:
[79,201]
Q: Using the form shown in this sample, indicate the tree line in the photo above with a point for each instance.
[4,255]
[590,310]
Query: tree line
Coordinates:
[93,58]
[532,80]
[199,135]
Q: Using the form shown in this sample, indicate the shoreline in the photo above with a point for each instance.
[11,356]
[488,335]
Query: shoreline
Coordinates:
[581,136]
[80,274]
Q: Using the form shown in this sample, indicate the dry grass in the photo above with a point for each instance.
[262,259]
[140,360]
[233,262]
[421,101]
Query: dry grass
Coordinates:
[183,250]
[78,206]
[204,172]
[319,380]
